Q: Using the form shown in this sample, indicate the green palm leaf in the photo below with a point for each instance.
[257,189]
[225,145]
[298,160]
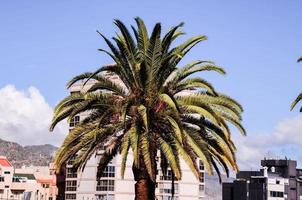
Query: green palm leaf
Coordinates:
[296,101]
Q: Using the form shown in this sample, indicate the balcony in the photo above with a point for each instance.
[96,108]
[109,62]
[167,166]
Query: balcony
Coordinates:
[18,186]
[2,185]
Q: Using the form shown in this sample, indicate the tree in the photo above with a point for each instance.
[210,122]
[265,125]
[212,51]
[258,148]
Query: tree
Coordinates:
[145,102]
[299,97]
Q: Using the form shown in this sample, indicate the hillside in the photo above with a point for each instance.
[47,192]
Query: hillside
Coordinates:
[37,155]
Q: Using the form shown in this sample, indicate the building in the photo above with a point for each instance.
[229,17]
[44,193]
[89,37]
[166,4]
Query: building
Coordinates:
[84,185]
[28,183]
[213,188]
[278,179]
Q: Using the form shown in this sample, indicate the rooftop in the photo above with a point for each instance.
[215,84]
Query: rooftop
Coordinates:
[4,162]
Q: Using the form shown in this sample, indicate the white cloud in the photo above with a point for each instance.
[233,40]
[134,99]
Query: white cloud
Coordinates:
[25,117]
[284,141]
[288,131]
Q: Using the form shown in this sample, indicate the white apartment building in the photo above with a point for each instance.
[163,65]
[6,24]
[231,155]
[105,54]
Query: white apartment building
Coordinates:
[25,183]
[84,185]
[276,188]
[276,185]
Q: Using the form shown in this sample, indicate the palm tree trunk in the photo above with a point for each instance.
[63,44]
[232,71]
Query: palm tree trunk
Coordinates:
[144,190]
[144,186]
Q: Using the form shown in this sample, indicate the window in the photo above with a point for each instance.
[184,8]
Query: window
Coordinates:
[7,172]
[105,197]
[7,186]
[201,188]
[71,173]
[16,179]
[201,177]
[70,196]
[1,179]
[277,181]
[105,185]
[71,160]
[45,185]
[109,171]
[201,166]
[259,180]
[166,188]
[71,185]
[276,194]
[50,198]
[167,176]
[74,121]
[167,198]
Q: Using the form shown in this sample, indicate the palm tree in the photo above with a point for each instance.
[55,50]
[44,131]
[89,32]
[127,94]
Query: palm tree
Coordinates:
[299,97]
[145,102]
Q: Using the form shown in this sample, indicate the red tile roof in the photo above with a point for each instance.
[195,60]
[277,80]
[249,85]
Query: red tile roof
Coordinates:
[45,180]
[4,162]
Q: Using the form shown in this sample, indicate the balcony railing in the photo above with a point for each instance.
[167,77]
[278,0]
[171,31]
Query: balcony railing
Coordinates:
[18,186]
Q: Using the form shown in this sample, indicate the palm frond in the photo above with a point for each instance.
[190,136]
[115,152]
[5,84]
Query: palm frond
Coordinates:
[127,36]
[170,36]
[176,129]
[187,158]
[124,152]
[296,101]
[134,141]
[200,149]
[144,144]
[153,55]
[107,84]
[171,157]
[195,83]
[143,39]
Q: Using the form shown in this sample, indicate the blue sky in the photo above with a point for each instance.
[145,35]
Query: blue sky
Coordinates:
[44,44]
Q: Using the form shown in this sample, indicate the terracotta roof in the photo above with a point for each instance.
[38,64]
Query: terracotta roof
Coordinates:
[4,162]
[41,180]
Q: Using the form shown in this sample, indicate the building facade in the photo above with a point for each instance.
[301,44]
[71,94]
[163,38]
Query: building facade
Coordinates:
[213,188]
[27,183]
[85,186]
[278,179]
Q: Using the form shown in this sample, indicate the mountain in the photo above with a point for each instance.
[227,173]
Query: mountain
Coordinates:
[37,155]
